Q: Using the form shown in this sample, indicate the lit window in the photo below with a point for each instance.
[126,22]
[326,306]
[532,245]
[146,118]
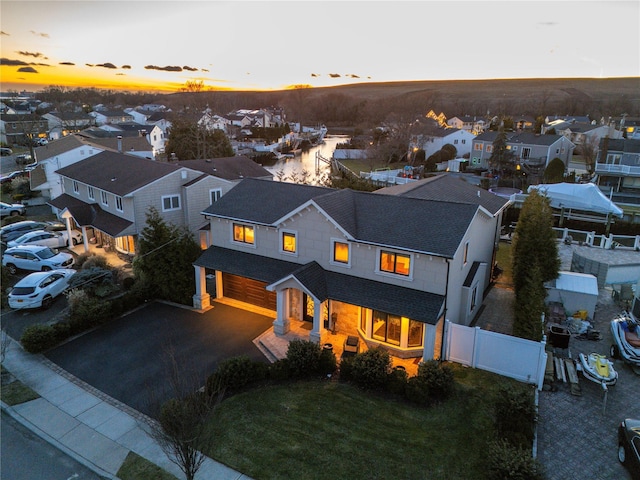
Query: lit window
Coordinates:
[341,252]
[91,193]
[416,334]
[243,233]
[76,188]
[489,148]
[104,199]
[386,327]
[395,263]
[119,204]
[170,202]
[289,242]
[478,146]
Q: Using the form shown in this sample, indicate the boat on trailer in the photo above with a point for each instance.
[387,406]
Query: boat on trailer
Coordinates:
[625,329]
[598,368]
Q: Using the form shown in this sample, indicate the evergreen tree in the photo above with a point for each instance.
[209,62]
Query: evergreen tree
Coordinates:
[501,158]
[529,306]
[165,259]
[554,173]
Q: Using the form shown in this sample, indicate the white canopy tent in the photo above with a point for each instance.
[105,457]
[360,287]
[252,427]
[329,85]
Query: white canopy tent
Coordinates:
[578,196]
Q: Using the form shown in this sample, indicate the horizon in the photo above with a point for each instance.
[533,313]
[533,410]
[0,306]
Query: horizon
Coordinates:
[242,46]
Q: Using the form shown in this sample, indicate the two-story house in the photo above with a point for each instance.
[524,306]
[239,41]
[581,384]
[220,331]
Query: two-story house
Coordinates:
[74,148]
[469,124]
[104,117]
[387,267]
[434,139]
[108,195]
[529,149]
[618,174]
[20,128]
[64,123]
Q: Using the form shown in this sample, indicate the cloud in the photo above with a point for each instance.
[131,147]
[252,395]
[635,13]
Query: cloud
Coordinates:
[335,75]
[106,65]
[548,24]
[205,70]
[190,69]
[27,70]
[4,33]
[40,34]
[12,63]
[168,68]
[31,54]
[67,63]
[89,65]
[352,75]
[314,75]
[126,67]
[120,73]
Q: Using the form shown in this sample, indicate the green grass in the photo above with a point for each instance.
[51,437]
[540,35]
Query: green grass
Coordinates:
[15,392]
[136,467]
[328,430]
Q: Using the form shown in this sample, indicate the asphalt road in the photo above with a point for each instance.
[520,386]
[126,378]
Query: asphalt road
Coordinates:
[129,358]
[25,456]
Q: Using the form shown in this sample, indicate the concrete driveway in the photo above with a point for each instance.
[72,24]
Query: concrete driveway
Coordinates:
[127,358]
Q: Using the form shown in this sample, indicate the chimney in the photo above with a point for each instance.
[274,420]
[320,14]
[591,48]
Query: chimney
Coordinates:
[120,143]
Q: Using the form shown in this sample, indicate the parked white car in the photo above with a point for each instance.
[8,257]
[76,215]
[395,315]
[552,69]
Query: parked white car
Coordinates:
[46,238]
[39,289]
[35,258]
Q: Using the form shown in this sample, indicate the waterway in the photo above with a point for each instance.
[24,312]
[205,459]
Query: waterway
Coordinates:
[302,168]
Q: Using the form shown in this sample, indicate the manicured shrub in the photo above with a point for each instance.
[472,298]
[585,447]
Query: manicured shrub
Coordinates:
[236,373]
[304,358]
[417,391]
[371,368]
[38,338]
[279,370]
[438,379]
[397,381]
[515,412]
[504,461]
[91,312]
[88,260]
[346,369]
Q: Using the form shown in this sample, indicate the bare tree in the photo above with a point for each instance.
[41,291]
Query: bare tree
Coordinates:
[589,150]
[181,426]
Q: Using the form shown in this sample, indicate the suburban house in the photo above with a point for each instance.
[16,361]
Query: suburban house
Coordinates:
[64,123]
[388,268]
[618,174]
[19,128]
[74,148]
[108,195]
[153,135]
[530,150]
[214,122]
[469,124]
[435,138]
[631,127]
[111,116]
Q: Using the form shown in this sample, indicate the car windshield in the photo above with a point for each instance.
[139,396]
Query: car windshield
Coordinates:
[46,253]
[23,290]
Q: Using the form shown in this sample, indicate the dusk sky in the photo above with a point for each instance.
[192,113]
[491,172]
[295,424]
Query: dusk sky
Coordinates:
[244,45]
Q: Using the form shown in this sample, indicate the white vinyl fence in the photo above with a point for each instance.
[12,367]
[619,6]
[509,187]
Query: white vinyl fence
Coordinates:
[523,360]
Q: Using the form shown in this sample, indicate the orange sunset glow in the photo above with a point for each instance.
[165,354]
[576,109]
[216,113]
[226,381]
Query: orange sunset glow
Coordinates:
[243,45]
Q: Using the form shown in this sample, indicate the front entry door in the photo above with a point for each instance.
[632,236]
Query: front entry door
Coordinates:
[307,316]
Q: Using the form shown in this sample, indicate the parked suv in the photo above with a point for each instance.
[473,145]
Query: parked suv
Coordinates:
[629,446]
[12,209]
[35,258]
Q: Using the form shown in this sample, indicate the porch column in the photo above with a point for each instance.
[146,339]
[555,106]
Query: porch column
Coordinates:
[315,336]
[85,239]
[219,288]
[201,299]
[281,324]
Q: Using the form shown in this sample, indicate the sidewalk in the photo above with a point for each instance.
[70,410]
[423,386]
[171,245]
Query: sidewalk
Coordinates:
[91,427]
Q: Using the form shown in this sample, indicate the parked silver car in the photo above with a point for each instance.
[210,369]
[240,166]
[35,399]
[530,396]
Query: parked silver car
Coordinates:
[35,258]
[39,289]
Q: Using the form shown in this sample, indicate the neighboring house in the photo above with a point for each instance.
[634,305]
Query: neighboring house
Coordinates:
[109,194]
[469,124]
[386,267]
[587,133]
[111,116]
[631,127]
[214,122]
[129,142]
[618,174]
[18,128]
[434,139]
[531,150]
[64,123]
[524,122]
[71,149]
[153,135]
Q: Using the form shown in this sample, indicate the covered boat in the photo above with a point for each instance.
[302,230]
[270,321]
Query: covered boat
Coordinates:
[598,368]
[626,335]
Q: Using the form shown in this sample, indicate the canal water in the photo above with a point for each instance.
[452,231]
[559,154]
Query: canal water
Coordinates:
[304,165]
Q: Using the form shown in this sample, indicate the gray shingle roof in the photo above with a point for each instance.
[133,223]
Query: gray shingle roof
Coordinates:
[117,173]
[427,226]
[229,168]
[448,189]
[90,214]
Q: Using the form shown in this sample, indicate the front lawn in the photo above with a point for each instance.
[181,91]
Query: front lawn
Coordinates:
[328,430]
